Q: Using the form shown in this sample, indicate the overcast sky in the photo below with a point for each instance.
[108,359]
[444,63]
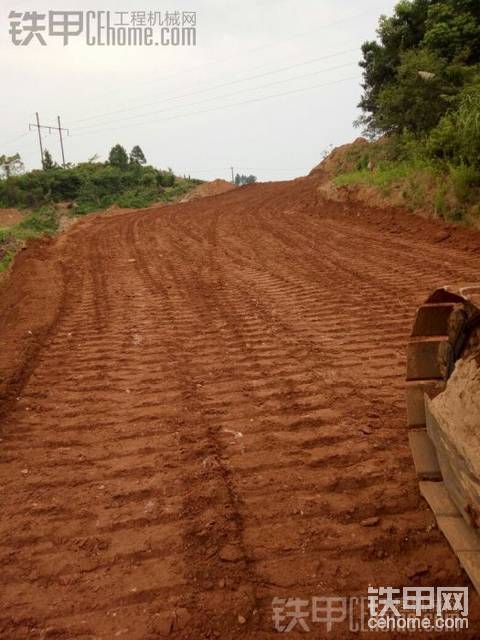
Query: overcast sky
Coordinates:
[202,109]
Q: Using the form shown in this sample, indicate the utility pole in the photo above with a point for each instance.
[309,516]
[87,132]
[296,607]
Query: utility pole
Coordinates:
[50,128]
[61,141]
[233,179]
[39,135]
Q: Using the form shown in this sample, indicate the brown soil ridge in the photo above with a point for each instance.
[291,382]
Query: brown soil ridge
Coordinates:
[207,189]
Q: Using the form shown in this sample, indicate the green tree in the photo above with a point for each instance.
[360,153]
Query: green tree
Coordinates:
[396,35]
[118,157]
[11,165]
[243,179]
[453,30]
[137,156]
[420,96]
[48,162]
[443,35]
[457,135]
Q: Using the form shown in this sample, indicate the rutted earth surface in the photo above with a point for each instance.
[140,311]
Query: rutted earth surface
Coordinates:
[203,410]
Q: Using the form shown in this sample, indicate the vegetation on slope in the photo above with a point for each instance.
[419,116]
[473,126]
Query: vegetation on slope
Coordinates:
[421,108]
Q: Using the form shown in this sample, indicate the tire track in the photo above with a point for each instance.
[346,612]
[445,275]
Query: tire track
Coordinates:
[214,413]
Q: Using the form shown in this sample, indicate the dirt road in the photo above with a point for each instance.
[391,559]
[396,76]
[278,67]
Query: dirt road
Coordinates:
[206,406]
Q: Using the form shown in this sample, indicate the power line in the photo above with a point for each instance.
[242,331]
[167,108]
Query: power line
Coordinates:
[12,140]
[226,168]
[277,169]
[218,86]
[221,97]
[50,128]
[244,53]
[235,104]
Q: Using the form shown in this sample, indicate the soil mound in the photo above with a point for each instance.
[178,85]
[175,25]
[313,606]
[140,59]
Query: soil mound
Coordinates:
[214,188]
[340,158]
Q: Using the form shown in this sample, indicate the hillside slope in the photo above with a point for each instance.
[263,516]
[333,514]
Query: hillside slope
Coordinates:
[373,174]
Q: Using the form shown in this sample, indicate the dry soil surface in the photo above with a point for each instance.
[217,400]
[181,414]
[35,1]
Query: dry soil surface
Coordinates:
[203,410]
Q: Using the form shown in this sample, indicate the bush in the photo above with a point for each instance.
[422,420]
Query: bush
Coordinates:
[457,215]
[92,185]
[440,199]
[457,135]
[166,178]
[464,179]
[137,199]
[43,221]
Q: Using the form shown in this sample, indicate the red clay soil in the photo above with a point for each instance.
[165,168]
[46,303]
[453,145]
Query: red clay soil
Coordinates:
[203,403]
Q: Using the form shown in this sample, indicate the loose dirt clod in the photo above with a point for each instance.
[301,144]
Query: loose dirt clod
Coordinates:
[441,236]
[370,522]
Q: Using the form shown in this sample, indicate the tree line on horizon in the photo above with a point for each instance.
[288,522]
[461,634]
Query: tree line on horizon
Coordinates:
[125,179]
[117,157]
